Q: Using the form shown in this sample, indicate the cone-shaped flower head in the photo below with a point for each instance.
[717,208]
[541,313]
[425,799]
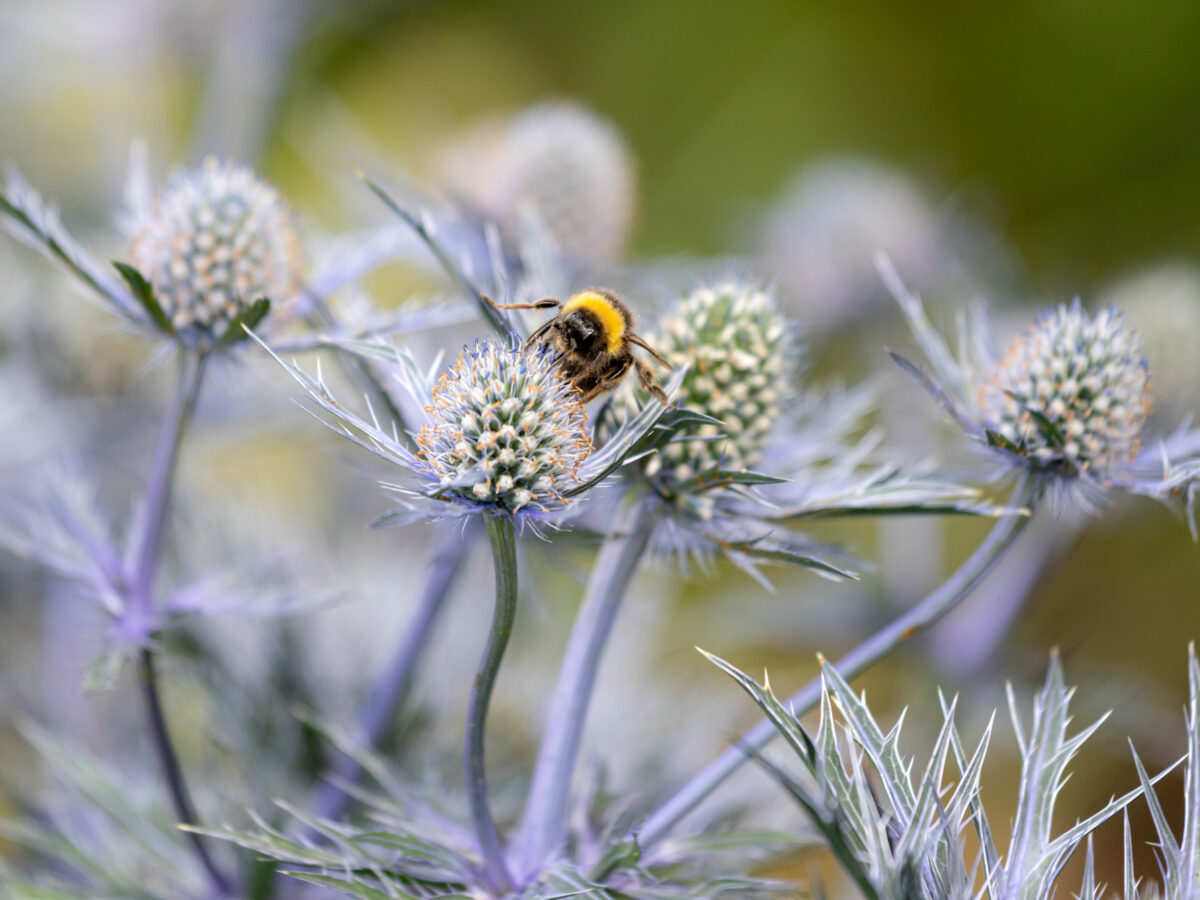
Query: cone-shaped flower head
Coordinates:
[218,239]
[732,340]
[561,162]
[1073,393]
[506,430]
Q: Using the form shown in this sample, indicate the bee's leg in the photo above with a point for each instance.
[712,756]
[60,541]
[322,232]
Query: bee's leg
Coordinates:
[544,303]
[634,339]
[646,377]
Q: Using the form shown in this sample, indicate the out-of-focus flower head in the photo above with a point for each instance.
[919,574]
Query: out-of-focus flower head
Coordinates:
[217,239]
[753,460]
[504,434]
[212,254]
[1163,303]
[558,162]
[1069,401]
[833,217]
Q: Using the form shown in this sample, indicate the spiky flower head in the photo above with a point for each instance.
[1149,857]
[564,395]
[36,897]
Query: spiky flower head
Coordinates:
[217,239]
[835,214]
[561,162]
[505,429]
[1073,392]
[731,338]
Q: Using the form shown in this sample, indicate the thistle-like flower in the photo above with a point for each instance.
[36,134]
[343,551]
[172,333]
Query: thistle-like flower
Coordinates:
[217,239]
[210,255]
[1069,401]
[505,429]
[504,434]
[1073,393]
[560,162]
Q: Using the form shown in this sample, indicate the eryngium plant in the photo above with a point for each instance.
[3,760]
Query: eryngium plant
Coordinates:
[906,839]
[217,239]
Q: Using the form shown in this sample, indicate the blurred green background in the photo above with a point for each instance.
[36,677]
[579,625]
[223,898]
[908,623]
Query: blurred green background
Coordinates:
[1069,127]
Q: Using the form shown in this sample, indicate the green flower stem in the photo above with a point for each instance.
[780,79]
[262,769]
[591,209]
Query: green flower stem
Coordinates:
[395,682]
[172,772]
[545,823]
[504,553]
[929,611]
[159,487]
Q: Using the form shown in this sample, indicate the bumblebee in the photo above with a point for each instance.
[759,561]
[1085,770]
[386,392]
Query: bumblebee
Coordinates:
[593,334]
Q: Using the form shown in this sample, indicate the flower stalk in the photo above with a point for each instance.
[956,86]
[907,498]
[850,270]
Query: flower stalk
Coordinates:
[504,553]
[160,486]
[880,645]
[140,619]
[545,824]
[172,772]
[394,685]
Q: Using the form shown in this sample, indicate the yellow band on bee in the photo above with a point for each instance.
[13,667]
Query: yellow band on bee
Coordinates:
[610,317]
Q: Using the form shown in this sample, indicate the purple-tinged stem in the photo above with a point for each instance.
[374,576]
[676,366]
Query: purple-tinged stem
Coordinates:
[395,682]
[544,827]
[172,772]
[140,615]
[504,554]
[930,610]
[159,485]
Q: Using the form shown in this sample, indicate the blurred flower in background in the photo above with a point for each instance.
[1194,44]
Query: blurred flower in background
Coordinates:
[1163,304]
[558,165]
[831,218]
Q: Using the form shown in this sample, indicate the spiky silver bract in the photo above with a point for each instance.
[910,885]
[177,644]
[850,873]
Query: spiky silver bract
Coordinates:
[560,162]
[217,239]
[505,428]
[1073,393]
[898,835]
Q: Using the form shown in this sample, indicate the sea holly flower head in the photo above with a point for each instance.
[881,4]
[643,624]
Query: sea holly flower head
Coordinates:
[505,429]
[209,256]
[216,240]
[732,341]
[1073,393]
[1069,401]
[505,434]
